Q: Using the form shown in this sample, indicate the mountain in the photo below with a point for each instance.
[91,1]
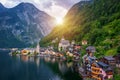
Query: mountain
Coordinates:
[2,8]
[97,21]
[23,25]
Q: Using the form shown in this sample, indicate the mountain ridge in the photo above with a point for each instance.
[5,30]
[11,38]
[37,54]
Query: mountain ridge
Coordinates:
[2,8]
[27,25]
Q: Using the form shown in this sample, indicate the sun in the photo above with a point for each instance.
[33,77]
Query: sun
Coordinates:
[59,21]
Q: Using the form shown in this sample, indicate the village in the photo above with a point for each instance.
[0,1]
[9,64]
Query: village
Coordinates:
[88,66]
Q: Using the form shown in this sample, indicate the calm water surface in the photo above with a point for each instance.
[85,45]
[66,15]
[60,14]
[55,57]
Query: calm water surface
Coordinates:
[35,68]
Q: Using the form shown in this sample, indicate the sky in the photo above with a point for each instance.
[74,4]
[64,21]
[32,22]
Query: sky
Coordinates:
[55,8]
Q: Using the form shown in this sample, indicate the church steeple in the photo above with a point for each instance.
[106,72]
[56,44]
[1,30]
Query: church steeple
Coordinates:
[38,48]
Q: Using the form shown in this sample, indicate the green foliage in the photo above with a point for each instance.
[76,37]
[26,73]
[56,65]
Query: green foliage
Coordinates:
[35,53]
[110,52]
[118,49]
[69,59]
[15,53]
[98,22]
[117,77]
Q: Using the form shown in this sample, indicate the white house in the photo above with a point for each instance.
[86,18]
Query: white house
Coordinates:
[84,42]
[63,44]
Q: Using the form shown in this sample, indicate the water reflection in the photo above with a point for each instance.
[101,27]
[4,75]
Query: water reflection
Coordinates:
[24,58]
[35,68]
[63,68]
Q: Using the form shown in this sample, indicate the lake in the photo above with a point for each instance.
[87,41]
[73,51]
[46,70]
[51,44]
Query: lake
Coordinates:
[35,68]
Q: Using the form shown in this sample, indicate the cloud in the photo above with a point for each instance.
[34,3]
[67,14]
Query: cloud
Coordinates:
[66,3]
[9,3]
[3,1]
[47,5]
[53,7]
[56,10]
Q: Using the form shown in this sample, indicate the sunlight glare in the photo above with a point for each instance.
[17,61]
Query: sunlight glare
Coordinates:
[59,21]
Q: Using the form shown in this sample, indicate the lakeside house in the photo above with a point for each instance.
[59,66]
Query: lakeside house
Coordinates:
[117,58]
[77,47]
[63,44]
[95,69]
[109,60]
[72,43]
[70,49]
[27,51]
[101,71]
[76,57]
[24,52]
[84,42]
[107,69]
[69,54]
[96,72]
[91,49]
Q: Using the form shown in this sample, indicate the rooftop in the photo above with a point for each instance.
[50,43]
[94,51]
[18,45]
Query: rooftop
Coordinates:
[64,42]
[91,48]
[102,64]
[109,58]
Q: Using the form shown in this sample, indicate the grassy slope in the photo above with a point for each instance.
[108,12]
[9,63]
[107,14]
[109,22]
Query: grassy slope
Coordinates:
[97,21]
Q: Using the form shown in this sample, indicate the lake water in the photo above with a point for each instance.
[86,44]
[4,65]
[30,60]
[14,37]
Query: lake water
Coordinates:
[35,68]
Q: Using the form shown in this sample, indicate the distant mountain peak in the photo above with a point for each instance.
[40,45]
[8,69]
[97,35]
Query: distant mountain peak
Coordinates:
[25,5]
[29,7]
[1,5]
[2,8]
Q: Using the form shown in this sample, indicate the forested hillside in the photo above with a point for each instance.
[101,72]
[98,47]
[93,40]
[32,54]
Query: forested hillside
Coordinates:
[97,21]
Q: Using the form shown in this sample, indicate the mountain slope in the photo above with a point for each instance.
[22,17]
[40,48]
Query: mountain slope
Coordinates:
[96,21]
[25,23]
[2,8]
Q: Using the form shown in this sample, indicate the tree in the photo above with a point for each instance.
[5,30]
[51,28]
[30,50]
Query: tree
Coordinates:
[118,49]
